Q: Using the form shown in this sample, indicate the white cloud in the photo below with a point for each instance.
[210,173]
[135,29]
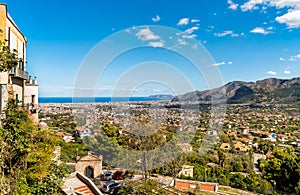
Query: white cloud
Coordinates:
[222,63]
[271,72]
[182,42]
[188,33]
[251,5]
[284,3]
[210,28]
[146,34]
[195,21]
[160,43]
[191,30]
[156,19]
[281,59]
[264,9]
[294,58]
[291,58]
[291,17]
[189,36]
[183,21]
[225,33]
[219,64]
[260,30]
[232,5]
[287,72]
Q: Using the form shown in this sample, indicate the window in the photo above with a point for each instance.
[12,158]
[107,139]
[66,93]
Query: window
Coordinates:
[21,64]
[33,99]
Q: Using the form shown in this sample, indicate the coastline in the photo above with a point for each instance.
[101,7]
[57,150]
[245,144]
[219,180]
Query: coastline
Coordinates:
[79,100]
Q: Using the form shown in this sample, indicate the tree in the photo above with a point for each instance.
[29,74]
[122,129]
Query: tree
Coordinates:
[256,184]
[265,146]
[8,58]
[283,168]
[15,142]
[25,156]
[51,183]
[222,158]
[39,158]
[237,181]
[69,151]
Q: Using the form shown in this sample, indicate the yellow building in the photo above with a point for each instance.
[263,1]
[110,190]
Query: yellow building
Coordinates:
[16,83]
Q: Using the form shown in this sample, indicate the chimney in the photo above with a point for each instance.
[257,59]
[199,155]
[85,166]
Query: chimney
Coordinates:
[35,81]
[30,80]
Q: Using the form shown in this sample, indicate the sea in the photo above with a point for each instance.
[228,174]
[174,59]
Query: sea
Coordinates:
[69,100]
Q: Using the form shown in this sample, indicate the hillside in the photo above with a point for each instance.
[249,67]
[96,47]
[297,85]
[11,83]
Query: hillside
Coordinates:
[162,96]
[270,90]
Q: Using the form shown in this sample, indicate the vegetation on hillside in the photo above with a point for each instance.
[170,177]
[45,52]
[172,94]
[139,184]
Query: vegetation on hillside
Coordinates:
[26,153]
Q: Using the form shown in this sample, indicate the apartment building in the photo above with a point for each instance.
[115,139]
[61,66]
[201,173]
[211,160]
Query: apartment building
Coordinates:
[17,83]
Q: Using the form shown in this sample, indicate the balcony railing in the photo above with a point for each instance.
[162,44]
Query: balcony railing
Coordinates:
[16,72]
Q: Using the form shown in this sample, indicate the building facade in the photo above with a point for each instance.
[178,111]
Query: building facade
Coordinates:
[89,165]
[17,83]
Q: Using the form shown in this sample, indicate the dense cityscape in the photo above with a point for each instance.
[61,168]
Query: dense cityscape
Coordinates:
[149,110]
[244,148]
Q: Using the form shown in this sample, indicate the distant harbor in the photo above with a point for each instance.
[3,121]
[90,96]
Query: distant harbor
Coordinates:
[69,100]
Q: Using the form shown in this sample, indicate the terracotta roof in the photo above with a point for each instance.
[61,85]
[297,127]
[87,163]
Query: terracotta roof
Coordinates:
[212,165]
[84,190]
[97,130]
[231,134]
[282,135]
[261,132]
[80,128]
[62,134]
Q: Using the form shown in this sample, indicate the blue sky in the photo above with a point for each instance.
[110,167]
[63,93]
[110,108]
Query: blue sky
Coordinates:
[248,40]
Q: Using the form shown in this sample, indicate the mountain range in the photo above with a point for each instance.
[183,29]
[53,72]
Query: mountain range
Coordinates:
[270,90]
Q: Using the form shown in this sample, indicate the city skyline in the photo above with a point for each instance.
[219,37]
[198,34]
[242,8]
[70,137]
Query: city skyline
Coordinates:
[248,40]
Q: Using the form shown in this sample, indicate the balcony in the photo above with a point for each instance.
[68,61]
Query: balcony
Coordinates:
[16,72]
[30,107]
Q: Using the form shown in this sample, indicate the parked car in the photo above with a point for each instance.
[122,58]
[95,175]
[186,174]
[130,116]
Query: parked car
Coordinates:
[107,176]
[118,175]
[110,187]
